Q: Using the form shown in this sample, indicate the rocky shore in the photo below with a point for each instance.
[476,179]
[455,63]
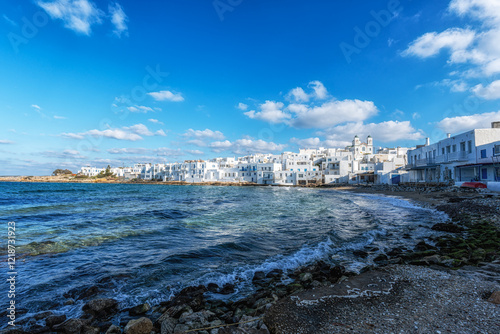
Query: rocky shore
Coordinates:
[449,283]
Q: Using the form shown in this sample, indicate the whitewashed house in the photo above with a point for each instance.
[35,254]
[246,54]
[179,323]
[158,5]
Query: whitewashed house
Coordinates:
[469,156]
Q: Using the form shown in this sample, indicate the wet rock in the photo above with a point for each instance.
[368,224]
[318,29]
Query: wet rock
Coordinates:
[275,273]
[53,320]
[447,227]
[227,289]
[113,330]
[423,246]
[495,297]
[101,308]
[168,325]
[69,302]
[193,291]
[42,315]
[139,326]
[82,292]
[139,309]
[71,326]
[360,253]
[380,258]
[181,328]
[305,277]
[212,287]
[197,319]
[259,275]
[89,330]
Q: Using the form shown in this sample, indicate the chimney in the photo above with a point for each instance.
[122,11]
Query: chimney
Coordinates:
[427,141]
[495,125]
[448,135]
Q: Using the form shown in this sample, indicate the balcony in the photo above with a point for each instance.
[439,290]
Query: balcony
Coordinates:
[452,157]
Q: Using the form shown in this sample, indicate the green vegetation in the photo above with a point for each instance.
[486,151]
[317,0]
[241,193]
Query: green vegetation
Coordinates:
[58,172]
[106,173]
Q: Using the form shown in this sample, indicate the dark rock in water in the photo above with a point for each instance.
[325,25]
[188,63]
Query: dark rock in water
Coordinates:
[227,289]
[42,315]
[447,227]
[52,320]
[37,329]
[101,308]
[71,326]
[423,246]
[193,291]
[14,331]
[139,309]
[113,330]
[175,311]
[212,287]
[259,275]
[380,258]
[82,292]
[395,252]
[275,273]
[360,253]
[139,326]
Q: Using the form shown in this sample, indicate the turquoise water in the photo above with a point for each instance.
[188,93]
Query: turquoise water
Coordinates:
[142,243]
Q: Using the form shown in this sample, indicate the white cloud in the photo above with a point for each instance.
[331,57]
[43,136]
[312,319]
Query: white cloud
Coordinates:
[332,113]
[320,91]
[430,44]
[270,111]
[6,142]
[152,120]
[474,50]
[59,117]
[465,123]
[204,134]
[415,115]
[307,143]
[385,132]
[77,15]
[311,115]
[139,109]
[8,20]
[166,95]
[490,92]
[298,95]
[160,133]
[129,151]
[242,106]
[118,18]
[166,151]
[246,146]
[37,107]
[131,133]
[66,154]
[195,152]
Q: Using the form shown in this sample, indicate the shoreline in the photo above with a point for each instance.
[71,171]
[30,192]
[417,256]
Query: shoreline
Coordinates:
[264,310]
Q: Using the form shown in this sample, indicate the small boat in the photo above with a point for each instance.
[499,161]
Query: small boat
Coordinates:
[473,185]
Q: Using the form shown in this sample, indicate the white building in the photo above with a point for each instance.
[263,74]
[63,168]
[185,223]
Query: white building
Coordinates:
[469,156]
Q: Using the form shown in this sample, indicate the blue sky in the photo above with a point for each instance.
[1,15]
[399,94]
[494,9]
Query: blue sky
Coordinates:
[103,82]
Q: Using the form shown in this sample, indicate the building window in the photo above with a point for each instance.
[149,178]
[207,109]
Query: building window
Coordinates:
[442,150]
[454,148]
[469,146]
[483,154]
[462,146]
[497,150]
[448,149]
